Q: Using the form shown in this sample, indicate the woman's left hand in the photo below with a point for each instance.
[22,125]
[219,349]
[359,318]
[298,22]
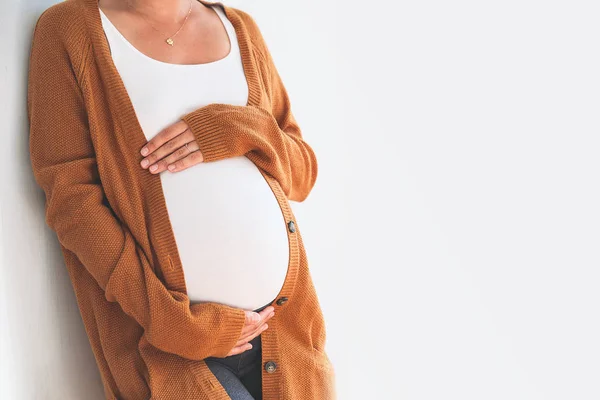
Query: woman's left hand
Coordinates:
[174,149]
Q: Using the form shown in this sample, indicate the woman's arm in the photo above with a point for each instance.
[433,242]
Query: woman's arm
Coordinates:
[64,165]
[270,138]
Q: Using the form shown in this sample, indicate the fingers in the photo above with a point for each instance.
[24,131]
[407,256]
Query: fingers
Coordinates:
[258,331]
[252,329]
[245,345]
[254,320]
[163,136]
[193,158]
[239,349]
[164,144]
[179,154]
[256,317]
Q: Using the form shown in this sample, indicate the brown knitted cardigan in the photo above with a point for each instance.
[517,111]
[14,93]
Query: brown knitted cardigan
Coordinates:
[111,220]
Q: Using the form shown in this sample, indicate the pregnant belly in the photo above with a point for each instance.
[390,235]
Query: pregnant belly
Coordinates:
[230,232]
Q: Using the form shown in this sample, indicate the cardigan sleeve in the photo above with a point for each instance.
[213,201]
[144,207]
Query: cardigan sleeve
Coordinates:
[64,165]
[270,137]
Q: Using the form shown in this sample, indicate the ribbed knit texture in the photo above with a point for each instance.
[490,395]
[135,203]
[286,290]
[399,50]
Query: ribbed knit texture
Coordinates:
[113,227]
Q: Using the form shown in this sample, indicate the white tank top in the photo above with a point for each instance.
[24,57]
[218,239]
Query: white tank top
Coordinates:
[229,228]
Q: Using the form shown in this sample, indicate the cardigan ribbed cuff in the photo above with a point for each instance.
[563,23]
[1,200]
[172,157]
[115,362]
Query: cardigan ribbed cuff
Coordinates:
[233,321]
[208,133]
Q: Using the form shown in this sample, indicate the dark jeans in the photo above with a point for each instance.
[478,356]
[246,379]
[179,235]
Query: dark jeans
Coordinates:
[241,374]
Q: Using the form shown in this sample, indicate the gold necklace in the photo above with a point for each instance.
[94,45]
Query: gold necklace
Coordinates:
[169,39]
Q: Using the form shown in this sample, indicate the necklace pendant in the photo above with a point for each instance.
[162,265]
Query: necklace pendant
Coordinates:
[169,41]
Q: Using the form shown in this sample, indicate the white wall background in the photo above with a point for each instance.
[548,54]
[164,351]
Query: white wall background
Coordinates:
[454,229]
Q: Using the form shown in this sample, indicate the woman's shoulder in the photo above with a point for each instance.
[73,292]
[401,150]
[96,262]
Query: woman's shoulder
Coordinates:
[61,15]
[61,26]
[60,36]
[61,20]
[253,30]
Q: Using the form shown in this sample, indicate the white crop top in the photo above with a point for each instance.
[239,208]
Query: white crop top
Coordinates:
[229,229]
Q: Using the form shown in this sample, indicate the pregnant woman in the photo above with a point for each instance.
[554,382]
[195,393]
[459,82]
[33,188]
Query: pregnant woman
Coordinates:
[163,138]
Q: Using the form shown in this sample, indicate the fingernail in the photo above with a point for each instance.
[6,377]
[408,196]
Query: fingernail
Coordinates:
[145,163]
[144,151]
[171,167]
[154,168]
[249,346]
[256,317]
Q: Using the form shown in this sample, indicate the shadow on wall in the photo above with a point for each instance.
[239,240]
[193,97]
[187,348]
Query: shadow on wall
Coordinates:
[44,350]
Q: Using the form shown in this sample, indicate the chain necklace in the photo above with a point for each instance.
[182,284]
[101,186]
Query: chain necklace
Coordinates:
[169,39]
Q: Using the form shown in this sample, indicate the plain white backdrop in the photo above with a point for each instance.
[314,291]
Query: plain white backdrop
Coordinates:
[453,233]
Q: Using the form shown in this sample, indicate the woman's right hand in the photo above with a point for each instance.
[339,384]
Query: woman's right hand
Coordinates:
[256,323]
